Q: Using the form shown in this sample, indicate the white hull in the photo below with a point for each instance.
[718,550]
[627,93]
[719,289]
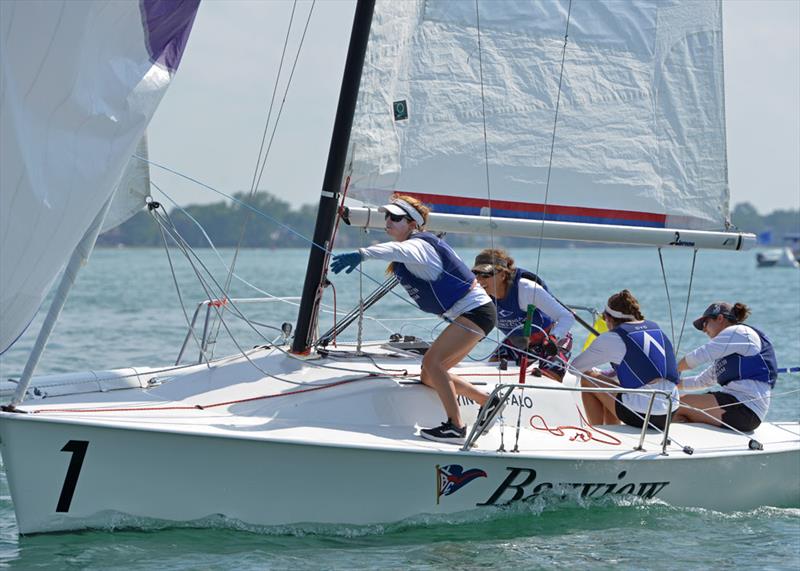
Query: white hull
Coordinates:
[347,454]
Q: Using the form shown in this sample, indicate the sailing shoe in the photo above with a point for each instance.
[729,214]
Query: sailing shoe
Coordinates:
[445,432]
[492,407]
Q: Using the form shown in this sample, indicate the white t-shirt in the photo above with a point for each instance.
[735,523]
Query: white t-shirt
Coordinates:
[739,339]
[531,293]
[610,348]
[422,260]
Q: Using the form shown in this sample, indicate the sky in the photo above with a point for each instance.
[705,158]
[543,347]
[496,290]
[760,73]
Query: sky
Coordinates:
[211,121]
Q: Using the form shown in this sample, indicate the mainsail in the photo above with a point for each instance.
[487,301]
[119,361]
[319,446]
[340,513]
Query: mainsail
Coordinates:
[80,82]
[458,107]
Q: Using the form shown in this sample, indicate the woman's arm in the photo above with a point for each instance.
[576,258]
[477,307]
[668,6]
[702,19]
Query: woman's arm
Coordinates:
[734,339]
[532,293]
[608,348]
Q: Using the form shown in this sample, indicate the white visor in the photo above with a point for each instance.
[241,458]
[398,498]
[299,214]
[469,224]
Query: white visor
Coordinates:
[618,314]
[400,207]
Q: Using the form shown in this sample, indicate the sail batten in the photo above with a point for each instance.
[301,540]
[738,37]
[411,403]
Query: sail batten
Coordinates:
[640,135]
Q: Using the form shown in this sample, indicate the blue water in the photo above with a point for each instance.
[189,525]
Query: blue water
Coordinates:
[124,311]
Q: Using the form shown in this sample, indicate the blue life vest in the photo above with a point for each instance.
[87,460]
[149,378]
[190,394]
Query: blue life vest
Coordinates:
[510,316]
[648,355]
[452,284]
[762,367]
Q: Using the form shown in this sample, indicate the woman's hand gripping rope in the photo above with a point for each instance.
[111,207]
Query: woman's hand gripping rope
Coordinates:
[347,262]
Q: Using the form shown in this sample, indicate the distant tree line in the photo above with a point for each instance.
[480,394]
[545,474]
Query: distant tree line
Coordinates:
[223,222]
[773,226]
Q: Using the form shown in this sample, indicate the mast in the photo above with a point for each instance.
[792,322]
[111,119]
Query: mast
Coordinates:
[332,182]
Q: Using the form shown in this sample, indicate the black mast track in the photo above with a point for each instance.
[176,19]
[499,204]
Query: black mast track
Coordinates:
[334,171]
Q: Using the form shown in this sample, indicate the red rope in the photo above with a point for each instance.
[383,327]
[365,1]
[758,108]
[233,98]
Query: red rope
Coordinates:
[582,434]
[203,407]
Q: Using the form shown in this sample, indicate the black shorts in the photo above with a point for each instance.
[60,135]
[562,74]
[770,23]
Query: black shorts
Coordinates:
[636,419]
[735,414]
[484,317]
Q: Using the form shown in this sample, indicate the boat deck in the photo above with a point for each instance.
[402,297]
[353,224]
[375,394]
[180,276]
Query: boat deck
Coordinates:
[377,402]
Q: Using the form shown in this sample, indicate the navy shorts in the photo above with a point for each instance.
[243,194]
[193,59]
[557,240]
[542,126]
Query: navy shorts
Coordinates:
[484,316]
[636,419]
[735,414]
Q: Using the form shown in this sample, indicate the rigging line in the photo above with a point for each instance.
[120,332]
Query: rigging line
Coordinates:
[666,287]
[186,251]
[688,297]
[486,150]
[257,174]
[261,153]
[287,227]
[261,213]
[553,139]
[267,217]
[178,290]
[207,288]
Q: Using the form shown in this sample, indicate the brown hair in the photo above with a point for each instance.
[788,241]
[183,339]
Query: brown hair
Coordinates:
[503,263]
[740,312]
[624,302]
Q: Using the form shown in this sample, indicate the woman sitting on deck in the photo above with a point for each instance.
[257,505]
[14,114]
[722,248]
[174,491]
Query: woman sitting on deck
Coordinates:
[642,357]
[744,365]
[440,283]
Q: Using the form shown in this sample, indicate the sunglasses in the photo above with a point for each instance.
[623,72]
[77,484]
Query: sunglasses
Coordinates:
[396,217]
[483,274]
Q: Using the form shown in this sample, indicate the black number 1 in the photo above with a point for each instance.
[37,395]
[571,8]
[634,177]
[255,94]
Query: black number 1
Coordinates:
[78,449]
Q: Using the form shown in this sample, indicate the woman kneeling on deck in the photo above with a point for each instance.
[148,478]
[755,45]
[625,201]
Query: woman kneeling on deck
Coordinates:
[744,365]
[513,289]
[440,283]
[642,357]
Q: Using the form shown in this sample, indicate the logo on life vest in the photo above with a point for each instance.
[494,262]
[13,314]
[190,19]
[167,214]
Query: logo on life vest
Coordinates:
[451,478]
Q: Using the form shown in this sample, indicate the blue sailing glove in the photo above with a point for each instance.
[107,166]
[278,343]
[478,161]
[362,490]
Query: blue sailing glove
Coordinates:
[348,261]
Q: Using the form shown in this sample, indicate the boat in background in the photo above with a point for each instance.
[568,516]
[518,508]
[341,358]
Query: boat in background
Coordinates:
[445,101]
[786,257]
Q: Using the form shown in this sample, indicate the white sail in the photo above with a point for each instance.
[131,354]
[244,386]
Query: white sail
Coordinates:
[132,190]
[640,135]
[80,81]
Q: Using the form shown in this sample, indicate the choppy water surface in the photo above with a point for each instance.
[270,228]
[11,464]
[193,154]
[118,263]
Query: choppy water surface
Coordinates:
[124,311]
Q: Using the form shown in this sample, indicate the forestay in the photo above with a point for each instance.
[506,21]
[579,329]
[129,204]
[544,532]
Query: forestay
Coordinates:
[80,81]
[640,136]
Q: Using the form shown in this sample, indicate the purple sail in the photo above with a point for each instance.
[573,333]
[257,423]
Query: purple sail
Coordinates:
[167,24]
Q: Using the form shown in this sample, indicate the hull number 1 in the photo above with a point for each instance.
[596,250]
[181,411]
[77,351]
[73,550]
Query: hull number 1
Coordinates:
[78,449]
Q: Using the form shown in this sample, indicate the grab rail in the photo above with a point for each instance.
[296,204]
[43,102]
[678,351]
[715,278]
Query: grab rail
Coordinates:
[474,434]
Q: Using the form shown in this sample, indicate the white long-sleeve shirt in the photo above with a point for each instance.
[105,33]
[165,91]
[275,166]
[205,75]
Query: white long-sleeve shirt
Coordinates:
[529,292]
[422,260]
[610,348]
[739,339]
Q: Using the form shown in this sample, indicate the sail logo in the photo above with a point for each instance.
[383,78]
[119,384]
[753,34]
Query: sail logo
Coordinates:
[451,478]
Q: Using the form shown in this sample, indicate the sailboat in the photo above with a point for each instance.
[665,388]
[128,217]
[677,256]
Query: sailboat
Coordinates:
[442,100]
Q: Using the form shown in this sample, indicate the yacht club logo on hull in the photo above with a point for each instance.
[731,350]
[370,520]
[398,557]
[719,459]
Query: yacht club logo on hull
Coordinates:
[519,486]
[451,478]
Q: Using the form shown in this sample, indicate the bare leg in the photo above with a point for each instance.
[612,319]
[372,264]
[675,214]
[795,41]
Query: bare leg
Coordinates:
[708,413]
[454,343]
[600,407]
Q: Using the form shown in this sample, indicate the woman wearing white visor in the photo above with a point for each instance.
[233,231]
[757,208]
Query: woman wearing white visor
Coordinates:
[442,284]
